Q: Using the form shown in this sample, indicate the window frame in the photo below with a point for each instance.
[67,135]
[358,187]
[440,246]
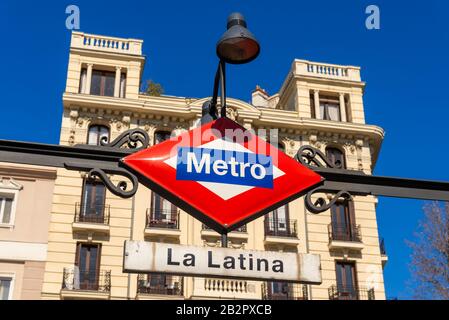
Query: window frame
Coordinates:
[355,279]
[98,125]
[84,197]
[12,277]
[343,155]
[102,85]
[11,188]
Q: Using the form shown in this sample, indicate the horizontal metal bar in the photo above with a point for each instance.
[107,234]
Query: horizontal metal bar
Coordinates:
[357,182]
[58,156]
[107,158]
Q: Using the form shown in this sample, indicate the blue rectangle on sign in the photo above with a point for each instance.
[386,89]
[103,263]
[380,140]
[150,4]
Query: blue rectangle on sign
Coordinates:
[223,166]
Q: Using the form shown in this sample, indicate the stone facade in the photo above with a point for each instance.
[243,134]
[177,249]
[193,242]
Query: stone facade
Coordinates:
[294,112]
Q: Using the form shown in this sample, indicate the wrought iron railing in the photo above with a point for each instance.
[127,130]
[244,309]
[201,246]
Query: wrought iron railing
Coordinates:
[92,213]
[281,228]
[240,229]
[160,284]
[337,292]
[285,291]
[383,251]
[162,218]
[343,232]
[76,279]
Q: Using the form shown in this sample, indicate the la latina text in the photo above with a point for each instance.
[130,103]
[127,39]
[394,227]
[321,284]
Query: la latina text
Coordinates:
[242,261]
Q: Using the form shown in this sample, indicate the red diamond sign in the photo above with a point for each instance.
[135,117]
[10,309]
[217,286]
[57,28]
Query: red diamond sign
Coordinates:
[222,174]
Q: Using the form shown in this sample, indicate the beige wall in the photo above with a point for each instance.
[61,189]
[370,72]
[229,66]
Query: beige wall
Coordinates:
[23,243]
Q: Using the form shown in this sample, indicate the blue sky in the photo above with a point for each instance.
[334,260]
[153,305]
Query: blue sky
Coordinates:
[405,65]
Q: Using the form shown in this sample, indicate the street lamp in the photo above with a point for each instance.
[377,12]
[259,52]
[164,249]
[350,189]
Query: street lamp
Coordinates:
[236,46]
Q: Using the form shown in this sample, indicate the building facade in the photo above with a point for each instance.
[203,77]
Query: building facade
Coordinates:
[25,204]
[318,104]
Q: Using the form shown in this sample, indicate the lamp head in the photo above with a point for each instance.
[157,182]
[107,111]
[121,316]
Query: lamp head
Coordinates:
[237,45]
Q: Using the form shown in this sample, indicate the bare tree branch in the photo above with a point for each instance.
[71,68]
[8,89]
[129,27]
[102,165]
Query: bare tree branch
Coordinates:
[430,254]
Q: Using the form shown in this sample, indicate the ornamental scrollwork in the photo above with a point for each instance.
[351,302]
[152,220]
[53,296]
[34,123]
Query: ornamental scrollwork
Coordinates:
[322,204]
[131,139]
[121,188]
[311,157]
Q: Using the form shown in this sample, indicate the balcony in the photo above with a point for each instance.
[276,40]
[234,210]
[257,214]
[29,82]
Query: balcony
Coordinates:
[281,231]
[239,233]
[159,286]
[350,293]
[211,288]
[78,284]
[342,236]
[383,252]
[162,223]
[92,219]
[288,291]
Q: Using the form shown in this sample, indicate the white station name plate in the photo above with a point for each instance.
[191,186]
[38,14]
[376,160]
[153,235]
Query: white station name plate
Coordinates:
[147,257]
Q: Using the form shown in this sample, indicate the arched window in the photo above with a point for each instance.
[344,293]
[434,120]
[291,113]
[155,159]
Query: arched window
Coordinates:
[336,156]
[96,134]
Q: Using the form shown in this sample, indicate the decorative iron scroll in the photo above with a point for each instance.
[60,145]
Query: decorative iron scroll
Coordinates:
[320,205]
[311,157]
[121,189]
[130,138]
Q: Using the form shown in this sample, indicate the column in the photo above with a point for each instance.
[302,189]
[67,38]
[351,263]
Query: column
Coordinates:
[316,99]
[343,107]
[88,78]
[118,74]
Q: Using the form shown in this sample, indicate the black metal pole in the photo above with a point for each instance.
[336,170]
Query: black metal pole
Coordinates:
[222,68]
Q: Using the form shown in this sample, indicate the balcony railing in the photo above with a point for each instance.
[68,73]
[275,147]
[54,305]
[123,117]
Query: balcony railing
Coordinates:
[281,228]
[383,251]
[160,284]
[337,292]
[92,213]
[240,229]
[75,279]
[164,219]
[287,291]
[342,232]
[103,43]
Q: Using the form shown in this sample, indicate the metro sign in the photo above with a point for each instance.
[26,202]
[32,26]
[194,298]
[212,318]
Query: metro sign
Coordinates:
[222,174]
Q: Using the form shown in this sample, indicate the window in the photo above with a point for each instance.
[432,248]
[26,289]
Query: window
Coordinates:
[279,290]
[330,108]
[5,288]
[312,106]
[346,281]
[161,136]
[122,85]
[336,157]
[162,209]
[83,81]
[6,207]
[102,83]
[343,222]
[87,261]
[93,201]
[96,134]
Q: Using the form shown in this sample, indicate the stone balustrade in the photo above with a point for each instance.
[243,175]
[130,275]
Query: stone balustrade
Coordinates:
[109,44]
[326,70]
[226,288]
